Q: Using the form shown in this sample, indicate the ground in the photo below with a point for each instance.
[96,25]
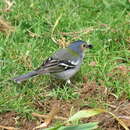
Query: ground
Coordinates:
[31,31]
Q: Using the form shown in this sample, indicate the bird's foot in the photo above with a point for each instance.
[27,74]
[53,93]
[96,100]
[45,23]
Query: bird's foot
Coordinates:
[68,81]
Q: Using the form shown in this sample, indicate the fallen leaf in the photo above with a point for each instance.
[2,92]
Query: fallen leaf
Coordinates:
[85,114]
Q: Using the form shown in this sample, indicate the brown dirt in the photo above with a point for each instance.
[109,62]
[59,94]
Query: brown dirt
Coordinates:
[12,119]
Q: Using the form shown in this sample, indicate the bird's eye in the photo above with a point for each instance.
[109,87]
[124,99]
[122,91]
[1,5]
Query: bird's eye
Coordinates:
[84,46]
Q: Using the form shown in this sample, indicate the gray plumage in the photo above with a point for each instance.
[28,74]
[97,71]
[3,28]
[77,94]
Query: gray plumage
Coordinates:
[63,64]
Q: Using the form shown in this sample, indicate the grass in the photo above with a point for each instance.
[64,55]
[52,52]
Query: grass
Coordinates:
[20,53]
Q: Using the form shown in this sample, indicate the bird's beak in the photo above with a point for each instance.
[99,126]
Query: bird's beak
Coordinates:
[89,46]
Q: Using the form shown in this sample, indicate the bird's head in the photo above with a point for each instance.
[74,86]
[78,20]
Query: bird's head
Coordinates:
[79,46]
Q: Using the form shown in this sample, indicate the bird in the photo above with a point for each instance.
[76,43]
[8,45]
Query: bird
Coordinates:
[63,64]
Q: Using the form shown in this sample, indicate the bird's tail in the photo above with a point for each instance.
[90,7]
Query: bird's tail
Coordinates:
[21,78]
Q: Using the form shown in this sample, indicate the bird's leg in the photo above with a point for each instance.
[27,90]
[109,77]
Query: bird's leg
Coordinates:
[68,81]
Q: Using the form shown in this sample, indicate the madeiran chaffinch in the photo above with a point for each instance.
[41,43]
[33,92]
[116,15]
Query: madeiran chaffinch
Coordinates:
[63,64]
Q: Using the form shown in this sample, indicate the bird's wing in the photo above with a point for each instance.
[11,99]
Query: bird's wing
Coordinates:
[62,60]
[52,65]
